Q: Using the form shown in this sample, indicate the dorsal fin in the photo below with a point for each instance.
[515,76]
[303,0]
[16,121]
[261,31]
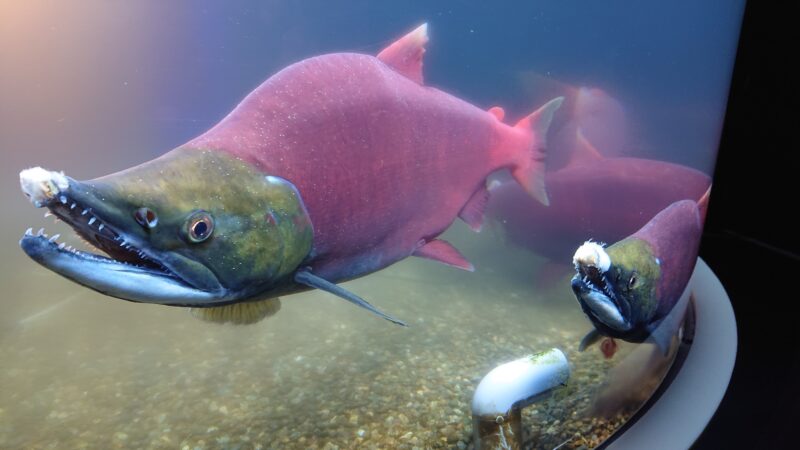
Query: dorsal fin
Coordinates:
[584,150]
[306,278]
[405,54]
[591,338]
[497,112]
[702,204]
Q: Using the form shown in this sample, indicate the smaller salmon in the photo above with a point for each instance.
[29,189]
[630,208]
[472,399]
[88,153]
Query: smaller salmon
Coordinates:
[629,288]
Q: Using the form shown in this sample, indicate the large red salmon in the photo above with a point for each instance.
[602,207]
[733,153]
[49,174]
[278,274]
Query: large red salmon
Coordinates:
[335,167]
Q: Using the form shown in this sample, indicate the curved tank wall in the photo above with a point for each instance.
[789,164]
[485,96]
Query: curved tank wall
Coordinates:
[97,87]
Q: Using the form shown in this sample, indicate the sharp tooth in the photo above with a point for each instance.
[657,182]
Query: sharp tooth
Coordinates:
[29,232]
[100,228]
[72,206]
[63,199]
[83,213]
[92,220]
[47,214]
[40,232]
[55,237]
[61,246]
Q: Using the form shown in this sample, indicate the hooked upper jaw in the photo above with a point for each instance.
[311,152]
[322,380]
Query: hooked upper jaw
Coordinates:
[593,289]
[133,271]
[111,277]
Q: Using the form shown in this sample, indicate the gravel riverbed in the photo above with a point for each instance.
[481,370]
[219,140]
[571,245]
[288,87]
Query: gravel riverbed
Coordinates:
[320,374]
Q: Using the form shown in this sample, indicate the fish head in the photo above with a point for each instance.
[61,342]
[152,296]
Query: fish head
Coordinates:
[191,228]
[616,287]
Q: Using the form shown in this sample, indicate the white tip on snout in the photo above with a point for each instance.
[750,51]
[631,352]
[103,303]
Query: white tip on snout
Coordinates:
[41,185]
[592,254]
[515,382]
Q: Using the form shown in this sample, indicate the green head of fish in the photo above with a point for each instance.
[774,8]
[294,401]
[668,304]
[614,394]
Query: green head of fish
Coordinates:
[191,228]
[616,287]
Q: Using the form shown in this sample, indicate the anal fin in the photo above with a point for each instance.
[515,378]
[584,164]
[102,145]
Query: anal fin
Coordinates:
[244,313]
[444,252]
[473,211]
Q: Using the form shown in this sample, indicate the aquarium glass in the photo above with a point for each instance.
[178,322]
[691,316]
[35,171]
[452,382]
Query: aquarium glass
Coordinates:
[95,87]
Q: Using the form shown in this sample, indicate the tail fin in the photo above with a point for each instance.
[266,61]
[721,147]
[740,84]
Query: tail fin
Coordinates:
[529,170]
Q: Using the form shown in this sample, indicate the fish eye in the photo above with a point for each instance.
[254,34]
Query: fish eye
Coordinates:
[199,226]
[146,217]
[632,281]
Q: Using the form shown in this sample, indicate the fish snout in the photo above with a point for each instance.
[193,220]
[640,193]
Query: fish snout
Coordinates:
[43,186]
[591,255]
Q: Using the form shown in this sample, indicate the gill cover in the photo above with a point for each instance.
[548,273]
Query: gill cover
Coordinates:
[634,275]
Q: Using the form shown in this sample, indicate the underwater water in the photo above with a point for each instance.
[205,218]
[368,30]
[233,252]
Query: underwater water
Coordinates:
[96,87]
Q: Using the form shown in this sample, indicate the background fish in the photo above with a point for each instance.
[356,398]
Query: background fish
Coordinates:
[603,197]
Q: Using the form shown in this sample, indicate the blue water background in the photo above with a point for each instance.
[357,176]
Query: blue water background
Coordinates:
[668,63]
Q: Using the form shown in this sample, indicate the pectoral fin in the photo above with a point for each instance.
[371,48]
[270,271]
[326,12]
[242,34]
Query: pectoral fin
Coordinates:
[442,251]
[591,338]
[306,278]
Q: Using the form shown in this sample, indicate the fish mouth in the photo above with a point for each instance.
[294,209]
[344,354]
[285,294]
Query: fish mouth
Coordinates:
[97,233]
[595,292]
[129,270]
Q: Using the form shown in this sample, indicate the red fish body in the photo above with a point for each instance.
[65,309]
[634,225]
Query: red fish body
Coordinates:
[383,163]
[605,199]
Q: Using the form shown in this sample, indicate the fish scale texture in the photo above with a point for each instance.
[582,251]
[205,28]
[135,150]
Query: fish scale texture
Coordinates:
[380,161]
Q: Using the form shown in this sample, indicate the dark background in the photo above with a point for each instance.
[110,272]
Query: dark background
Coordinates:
[751,238]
